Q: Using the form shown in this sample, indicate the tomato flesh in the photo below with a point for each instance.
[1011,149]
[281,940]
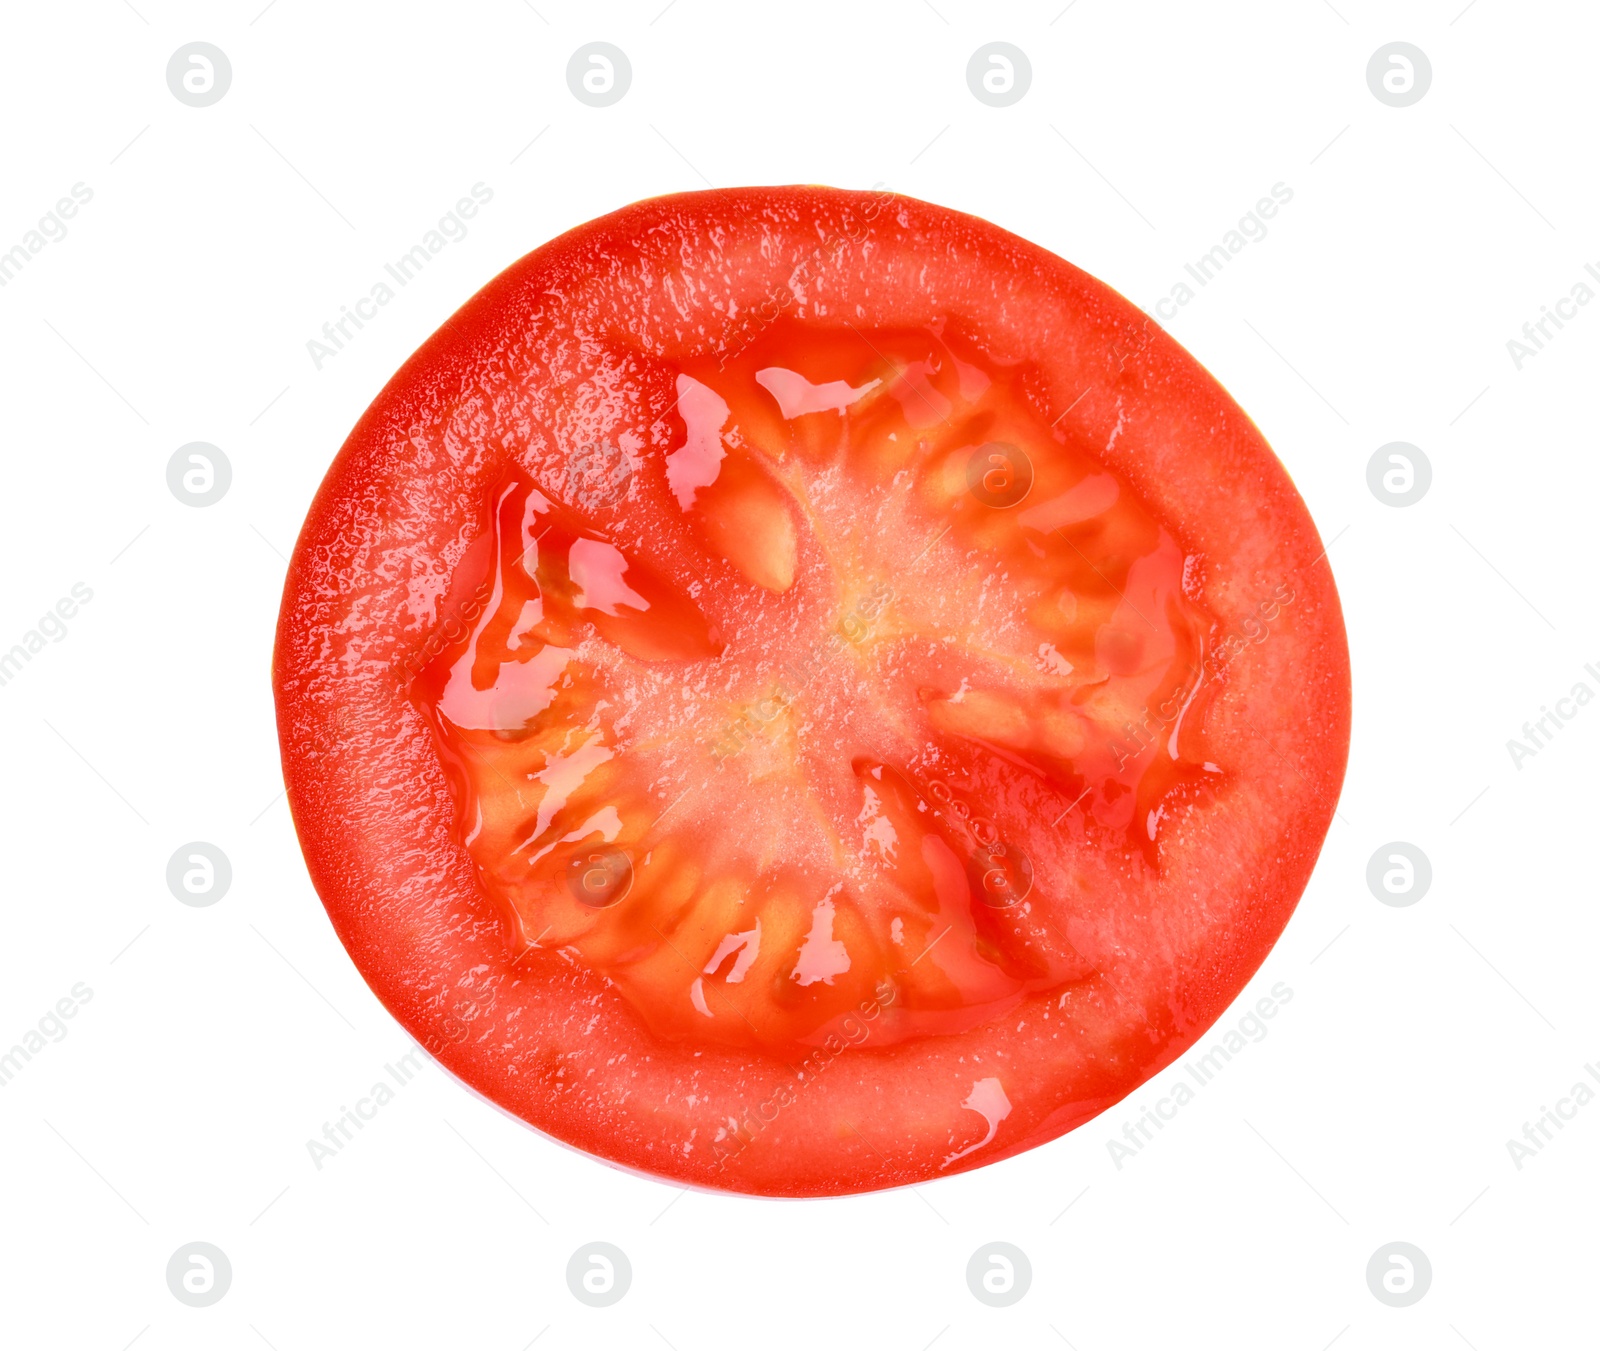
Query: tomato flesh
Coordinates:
[800,691]
[927,632]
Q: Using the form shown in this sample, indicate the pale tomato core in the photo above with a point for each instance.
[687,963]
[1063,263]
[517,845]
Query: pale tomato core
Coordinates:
[828,740]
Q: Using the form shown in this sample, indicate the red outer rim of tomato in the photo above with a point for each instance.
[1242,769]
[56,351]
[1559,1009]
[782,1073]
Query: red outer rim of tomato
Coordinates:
[373,810]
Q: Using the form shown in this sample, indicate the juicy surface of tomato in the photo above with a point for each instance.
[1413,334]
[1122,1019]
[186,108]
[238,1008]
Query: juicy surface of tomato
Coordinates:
[920,626]
[801,691]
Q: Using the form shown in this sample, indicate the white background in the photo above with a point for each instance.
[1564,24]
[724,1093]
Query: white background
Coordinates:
[1378,308]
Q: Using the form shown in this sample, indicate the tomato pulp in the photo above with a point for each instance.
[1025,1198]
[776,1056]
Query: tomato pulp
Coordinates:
[827,694]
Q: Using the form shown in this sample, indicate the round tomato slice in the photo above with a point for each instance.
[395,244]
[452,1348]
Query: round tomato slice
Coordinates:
[801,691]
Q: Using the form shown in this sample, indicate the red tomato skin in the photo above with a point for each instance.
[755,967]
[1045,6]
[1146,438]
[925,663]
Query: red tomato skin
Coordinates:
[373,813]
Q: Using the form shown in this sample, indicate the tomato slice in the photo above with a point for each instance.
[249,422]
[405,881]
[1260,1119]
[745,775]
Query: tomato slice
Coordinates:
[833,696]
